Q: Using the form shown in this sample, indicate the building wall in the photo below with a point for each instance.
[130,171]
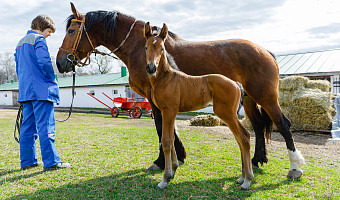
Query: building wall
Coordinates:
[82,99]
[6,98]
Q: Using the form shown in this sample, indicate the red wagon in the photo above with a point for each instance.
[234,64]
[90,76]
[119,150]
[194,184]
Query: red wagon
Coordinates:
[134,107]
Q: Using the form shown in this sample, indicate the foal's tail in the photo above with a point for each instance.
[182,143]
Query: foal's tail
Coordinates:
[268,124]
[242,96]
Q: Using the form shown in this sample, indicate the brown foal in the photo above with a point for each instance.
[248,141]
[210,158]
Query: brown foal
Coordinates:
[174,91]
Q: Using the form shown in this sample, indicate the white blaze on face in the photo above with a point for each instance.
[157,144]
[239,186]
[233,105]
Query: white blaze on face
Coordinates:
[154,42]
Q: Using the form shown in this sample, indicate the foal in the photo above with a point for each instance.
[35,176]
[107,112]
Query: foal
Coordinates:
[174,91]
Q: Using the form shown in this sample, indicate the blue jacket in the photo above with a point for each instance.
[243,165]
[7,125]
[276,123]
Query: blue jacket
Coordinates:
[34,69]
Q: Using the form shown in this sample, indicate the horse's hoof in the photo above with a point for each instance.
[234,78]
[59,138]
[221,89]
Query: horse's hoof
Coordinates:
[293,174]
[162,185]
[154,167]
[245,185]
[255,167]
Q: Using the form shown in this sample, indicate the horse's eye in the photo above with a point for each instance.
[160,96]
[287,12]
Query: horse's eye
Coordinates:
[70,32]
[146,48]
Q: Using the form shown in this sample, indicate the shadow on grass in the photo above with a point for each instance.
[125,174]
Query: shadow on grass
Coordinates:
[140,184]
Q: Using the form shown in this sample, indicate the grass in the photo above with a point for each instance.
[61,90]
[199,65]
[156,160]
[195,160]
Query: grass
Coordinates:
[109,158]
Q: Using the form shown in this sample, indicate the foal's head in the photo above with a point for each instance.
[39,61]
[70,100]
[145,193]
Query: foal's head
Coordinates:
[154,47]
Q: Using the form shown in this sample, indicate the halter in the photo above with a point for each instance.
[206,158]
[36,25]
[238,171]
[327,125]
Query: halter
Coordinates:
[72,55]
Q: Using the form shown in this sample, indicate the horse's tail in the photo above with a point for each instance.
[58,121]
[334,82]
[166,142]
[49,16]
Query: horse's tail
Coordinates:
[242,96]
[268,124]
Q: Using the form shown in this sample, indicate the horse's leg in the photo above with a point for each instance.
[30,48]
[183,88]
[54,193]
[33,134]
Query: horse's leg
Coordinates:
[283,125]
[180,150]
[251,110]
[171,162]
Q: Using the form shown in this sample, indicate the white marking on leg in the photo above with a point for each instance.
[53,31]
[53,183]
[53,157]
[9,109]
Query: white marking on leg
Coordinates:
[296,160]
[162,184]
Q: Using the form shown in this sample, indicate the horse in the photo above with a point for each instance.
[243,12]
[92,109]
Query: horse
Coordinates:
[173,91]
[240,60]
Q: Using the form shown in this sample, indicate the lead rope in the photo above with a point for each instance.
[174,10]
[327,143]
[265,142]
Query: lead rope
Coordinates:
[18,121]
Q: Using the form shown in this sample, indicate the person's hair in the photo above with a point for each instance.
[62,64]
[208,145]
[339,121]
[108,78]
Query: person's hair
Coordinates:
[43,22]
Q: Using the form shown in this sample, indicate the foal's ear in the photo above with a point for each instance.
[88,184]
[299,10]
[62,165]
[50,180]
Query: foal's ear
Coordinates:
[75,12]
[164,32]
[147,30]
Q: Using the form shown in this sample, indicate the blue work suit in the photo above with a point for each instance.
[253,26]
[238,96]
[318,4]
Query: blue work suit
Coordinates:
[37,93]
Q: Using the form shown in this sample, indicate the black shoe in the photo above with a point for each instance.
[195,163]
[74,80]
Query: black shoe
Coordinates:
[31,166]
[60,165]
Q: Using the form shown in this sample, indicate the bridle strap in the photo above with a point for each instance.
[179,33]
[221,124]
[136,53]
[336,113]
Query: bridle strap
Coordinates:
[126,37]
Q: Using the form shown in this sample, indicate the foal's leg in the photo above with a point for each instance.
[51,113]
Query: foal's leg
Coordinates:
[180,150]
[171,162]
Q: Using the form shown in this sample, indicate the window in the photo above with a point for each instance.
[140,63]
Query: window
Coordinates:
[92,92]
[114,91]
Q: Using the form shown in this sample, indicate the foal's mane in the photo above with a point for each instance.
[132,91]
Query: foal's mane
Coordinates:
[109,19]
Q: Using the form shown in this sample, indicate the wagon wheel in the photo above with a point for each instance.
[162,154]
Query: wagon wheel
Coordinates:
[137,112]
[115,112]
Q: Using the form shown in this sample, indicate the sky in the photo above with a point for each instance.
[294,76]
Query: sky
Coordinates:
[281,26]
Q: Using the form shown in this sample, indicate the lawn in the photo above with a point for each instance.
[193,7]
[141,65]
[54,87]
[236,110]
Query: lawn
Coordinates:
[110,157]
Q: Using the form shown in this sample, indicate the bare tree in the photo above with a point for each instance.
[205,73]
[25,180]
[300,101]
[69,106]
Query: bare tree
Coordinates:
[7,68]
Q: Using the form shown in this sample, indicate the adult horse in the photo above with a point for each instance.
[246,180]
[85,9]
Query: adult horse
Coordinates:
[240,60]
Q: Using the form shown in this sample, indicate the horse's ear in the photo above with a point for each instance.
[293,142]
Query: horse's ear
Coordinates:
[147,30]
[75,11]
[164,32]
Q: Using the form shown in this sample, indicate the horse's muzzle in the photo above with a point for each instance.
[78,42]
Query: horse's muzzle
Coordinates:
[150,68]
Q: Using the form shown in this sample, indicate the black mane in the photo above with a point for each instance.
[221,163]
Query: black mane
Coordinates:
[109,18]
[93,17]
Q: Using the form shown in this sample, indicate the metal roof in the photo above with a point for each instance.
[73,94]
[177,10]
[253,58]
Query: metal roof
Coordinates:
[81,81]
[318,63]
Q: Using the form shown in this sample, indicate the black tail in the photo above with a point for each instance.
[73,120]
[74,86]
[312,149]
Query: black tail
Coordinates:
[268,124]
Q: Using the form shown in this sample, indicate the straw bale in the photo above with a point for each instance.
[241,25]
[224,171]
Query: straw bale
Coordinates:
[205,120]
[293,82]
[323,85]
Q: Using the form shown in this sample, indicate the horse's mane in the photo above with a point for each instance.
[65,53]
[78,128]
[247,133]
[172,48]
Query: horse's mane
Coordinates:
[171,61]
[109,18]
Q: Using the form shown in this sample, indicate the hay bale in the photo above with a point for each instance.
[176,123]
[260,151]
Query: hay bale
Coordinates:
[306,103]
[205,120]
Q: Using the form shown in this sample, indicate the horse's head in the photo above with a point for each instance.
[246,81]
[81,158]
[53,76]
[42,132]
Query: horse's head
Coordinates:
[154,47]
[76,43]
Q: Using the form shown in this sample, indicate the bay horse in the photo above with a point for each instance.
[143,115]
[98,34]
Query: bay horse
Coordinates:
[240,60]
[173,91]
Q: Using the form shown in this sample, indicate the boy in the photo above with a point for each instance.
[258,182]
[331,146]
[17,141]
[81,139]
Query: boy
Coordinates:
[38,91]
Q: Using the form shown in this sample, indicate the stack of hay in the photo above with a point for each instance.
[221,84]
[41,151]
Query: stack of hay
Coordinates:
[205,120]
[306,103]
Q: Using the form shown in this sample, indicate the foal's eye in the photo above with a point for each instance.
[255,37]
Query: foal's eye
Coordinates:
[70,32]
[162,50]
[146,48]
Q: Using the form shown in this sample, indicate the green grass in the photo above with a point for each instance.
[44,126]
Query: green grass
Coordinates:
[109,158]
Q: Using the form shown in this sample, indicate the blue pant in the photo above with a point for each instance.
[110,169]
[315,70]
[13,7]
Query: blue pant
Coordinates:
[38,120]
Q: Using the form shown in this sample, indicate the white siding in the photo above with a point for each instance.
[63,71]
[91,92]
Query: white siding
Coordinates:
[6,98]
[82,99]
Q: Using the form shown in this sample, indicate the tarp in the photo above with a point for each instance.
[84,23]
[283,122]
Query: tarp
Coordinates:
[336,120]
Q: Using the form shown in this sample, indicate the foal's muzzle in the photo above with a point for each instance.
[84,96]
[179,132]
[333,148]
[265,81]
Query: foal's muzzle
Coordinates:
[150,68]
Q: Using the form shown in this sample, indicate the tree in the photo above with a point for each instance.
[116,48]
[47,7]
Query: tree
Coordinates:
[7,68]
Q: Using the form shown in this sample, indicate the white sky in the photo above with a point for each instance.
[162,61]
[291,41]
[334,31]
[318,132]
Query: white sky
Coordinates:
[279,26]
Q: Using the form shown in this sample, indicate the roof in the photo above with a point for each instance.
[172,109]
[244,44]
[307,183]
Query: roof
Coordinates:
[81,81]
[318,63]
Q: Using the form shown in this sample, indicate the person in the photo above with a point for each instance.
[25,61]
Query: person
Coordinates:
[38,90]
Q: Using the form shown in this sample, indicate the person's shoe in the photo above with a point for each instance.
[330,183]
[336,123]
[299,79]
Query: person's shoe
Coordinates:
[60,165]
[31,166]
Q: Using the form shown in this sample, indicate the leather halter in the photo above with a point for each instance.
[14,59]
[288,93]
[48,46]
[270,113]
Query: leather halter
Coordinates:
[72,55]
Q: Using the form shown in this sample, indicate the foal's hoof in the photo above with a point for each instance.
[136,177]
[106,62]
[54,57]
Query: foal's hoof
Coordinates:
[154,167]
[181,162]
[293,174]
[162,185]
